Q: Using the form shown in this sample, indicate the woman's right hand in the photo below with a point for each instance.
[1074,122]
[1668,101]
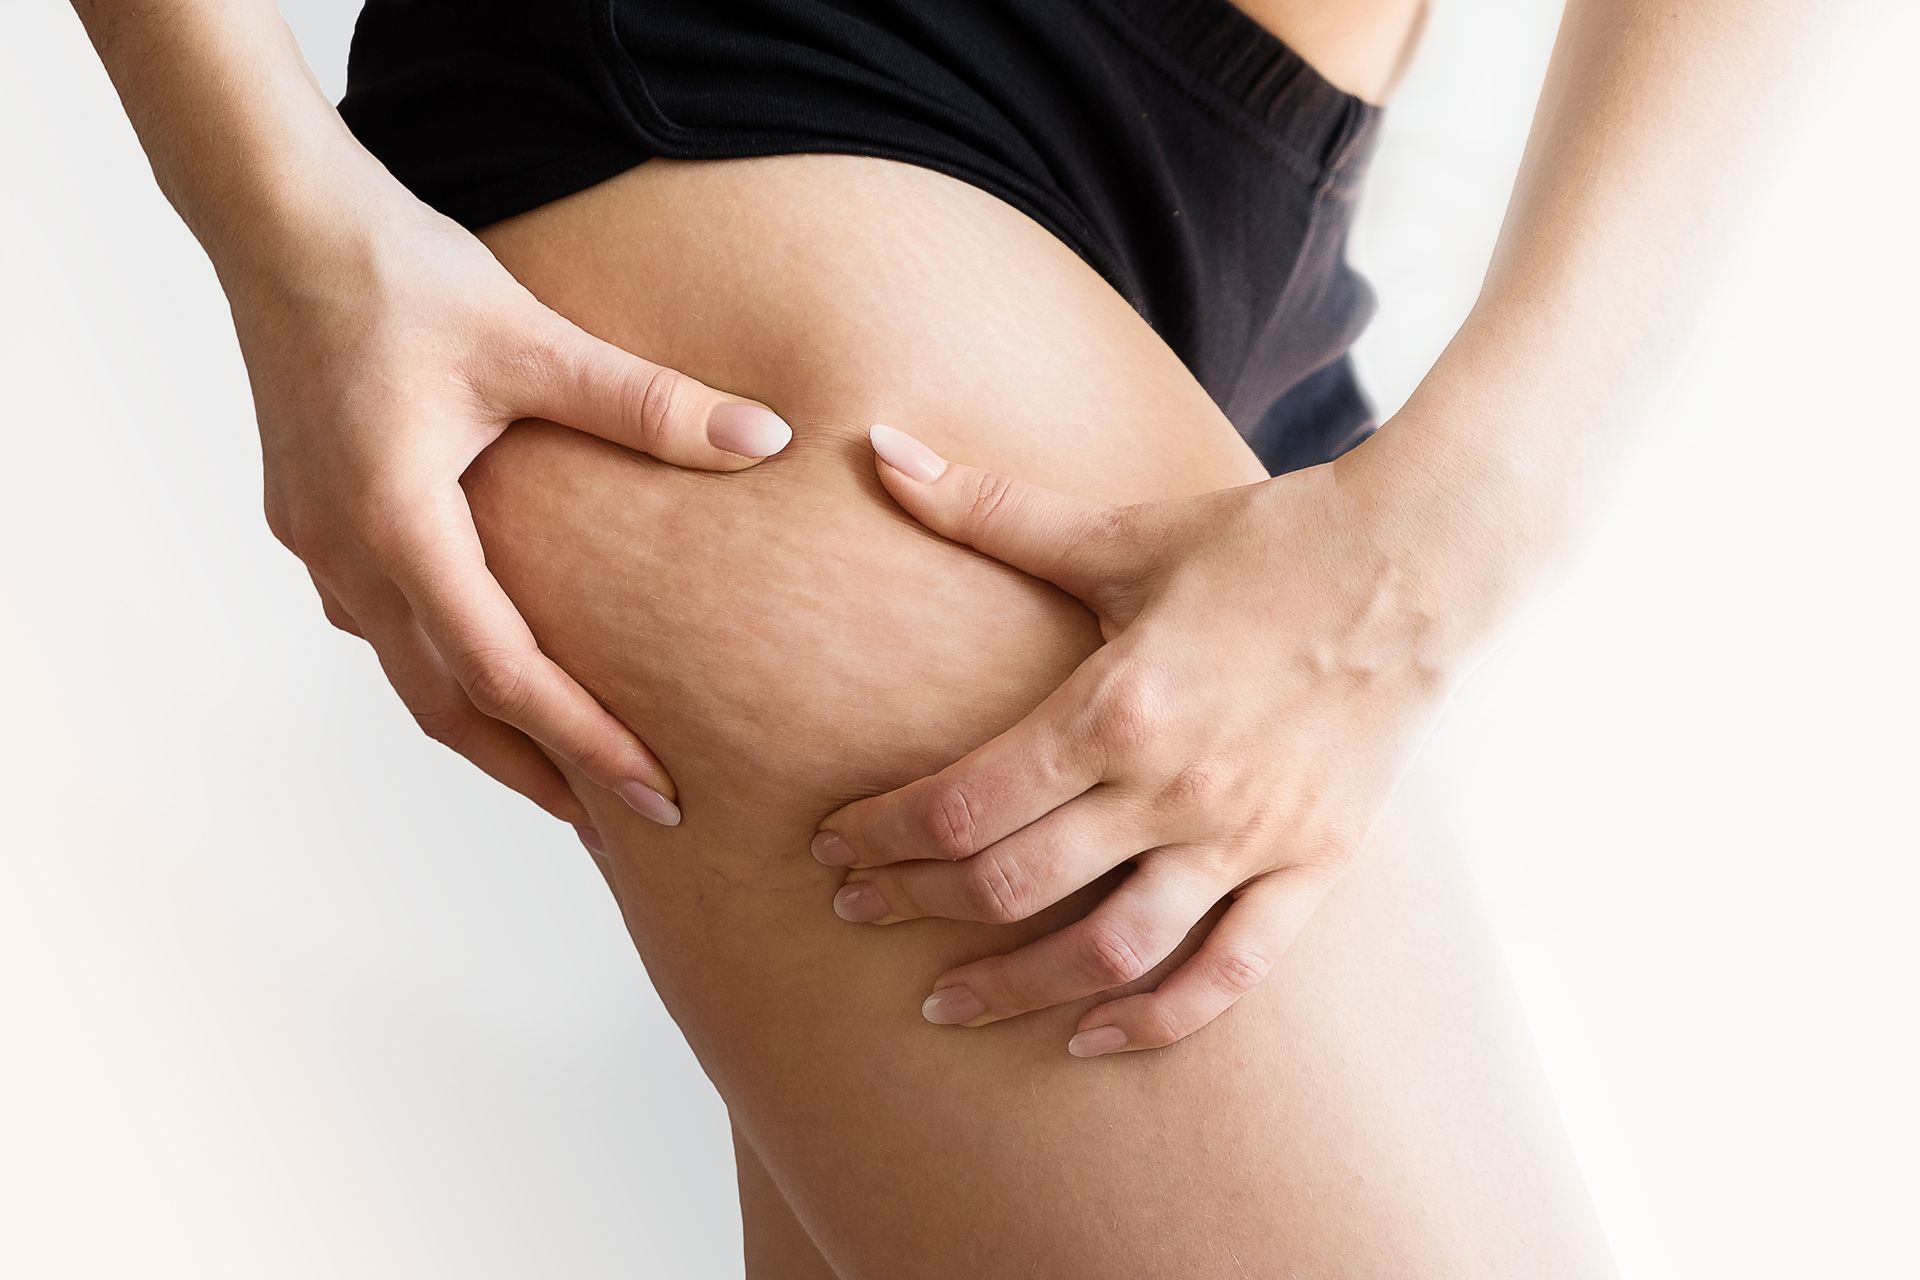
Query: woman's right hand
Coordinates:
[384,358]
[387,349]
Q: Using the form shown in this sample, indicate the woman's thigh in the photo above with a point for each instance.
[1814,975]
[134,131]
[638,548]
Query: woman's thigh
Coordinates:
[788,641]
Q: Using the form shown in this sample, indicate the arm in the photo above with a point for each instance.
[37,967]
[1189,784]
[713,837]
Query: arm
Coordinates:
[1277,653]
[1654,127]
[387,348]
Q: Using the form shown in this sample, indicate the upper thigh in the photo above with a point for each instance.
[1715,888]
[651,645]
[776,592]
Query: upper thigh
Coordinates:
[848,290]
[786,640]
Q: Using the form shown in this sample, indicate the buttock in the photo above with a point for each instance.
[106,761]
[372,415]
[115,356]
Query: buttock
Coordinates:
[1203,168]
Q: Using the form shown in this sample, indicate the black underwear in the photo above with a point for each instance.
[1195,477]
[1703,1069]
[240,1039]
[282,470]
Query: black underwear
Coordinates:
[1190,157]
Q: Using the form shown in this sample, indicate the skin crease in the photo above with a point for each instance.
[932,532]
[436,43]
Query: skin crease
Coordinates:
[794,641]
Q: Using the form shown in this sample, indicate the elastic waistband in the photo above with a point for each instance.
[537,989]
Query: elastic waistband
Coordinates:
[1236,66]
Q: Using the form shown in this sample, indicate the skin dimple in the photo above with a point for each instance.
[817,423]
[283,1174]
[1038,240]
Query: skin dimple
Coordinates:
[787,640]
[818,599]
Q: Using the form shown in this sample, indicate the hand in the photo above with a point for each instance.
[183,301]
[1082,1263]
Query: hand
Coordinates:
[379,374]
[1275,654]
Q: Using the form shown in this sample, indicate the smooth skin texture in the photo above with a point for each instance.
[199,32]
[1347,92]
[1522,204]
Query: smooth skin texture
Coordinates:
[386,349]
[1363,46]
[794,641]
[1277,652]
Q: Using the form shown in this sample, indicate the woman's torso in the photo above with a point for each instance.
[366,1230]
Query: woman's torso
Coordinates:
[1360,45]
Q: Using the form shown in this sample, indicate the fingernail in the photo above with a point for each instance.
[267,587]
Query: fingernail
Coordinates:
[748,430]
[832,850]
[950,1006]
[591,838]
[1091,1044]
[859,904]
[650,804]
[905,454]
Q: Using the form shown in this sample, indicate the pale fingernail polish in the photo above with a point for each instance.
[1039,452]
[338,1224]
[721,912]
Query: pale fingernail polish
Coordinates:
[951,1006]
[748,430]
[832,850]
[591,838]
[905,454]
[859,904]
[1098,1040]
[650,804]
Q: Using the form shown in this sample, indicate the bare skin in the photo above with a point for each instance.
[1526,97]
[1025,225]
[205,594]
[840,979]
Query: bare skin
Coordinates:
[1275,651]
[794,644]
[1362,46]
[1371,1111]
[385,352]
[386,349]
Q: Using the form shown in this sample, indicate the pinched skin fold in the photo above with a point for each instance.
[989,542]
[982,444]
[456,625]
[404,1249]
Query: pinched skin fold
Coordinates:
[787,640]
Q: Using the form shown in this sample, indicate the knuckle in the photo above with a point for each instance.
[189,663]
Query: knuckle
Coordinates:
[1238,970]
[500,682]
[338,617]
[1198,785]
[278,526]
[323,555]
[1002,892]
[1154,1027]
[448,726]
[298,532]
[598,758]
[663,399]
[897,893]
[1112,956]
[1127,713]
[987,503]
[948,823]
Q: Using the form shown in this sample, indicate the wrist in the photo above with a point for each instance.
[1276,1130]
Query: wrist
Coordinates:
[315,200]
[1475,524]
[1515,434]
[241,138]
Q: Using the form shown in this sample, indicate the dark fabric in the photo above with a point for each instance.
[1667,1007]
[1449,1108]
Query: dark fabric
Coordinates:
[1191,158]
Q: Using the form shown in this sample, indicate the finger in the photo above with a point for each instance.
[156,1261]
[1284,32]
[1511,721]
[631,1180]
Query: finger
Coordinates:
[336,612]
[1015,779]
[1077,545]
[442,710]
[596,387]
[1009,880]
[1136,927]
[1263,921]
[487,646]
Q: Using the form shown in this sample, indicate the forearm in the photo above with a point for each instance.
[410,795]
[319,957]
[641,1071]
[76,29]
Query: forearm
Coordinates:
[242,141]
[1654,126]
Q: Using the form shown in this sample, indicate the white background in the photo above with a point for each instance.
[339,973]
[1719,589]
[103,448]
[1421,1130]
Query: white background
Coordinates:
[285,990]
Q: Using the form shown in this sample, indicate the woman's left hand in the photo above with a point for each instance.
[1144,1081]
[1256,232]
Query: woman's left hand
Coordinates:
[1275,655]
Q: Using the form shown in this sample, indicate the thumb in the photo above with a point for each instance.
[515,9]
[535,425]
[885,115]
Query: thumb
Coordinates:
[596,387]
[1075,544]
